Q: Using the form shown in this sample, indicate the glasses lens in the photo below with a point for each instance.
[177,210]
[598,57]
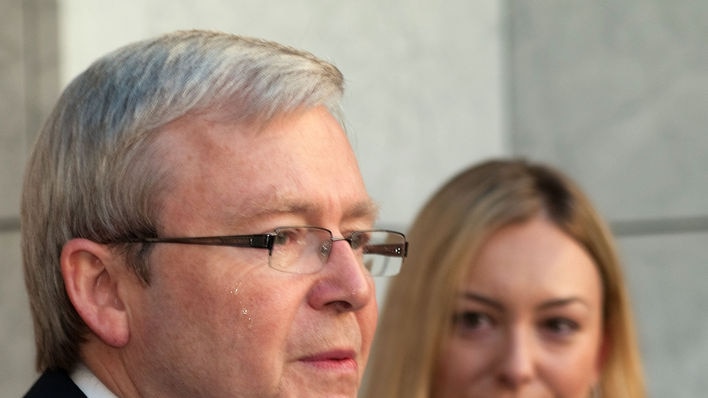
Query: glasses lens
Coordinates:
[382,251]
[300,250]
[305,250]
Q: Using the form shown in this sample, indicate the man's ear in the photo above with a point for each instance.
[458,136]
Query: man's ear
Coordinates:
[92,280]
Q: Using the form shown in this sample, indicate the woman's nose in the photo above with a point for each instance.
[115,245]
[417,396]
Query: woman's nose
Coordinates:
[517,365]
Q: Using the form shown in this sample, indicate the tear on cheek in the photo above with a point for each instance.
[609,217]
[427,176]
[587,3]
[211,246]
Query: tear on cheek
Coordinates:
[245,318]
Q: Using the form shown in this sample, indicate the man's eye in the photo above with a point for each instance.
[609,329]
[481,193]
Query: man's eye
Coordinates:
[282,238]
[288,236]
[359,239]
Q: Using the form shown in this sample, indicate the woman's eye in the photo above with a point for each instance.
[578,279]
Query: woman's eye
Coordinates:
[469,320]
[561,326]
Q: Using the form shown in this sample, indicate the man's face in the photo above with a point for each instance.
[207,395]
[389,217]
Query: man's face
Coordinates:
[218,321]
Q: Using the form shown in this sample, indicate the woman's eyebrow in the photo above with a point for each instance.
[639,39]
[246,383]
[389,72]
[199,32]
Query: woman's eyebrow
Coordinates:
[479,298]
[549,304]
[562,302]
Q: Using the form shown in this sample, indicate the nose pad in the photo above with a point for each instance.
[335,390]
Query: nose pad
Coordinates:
[325,250]
[343,284]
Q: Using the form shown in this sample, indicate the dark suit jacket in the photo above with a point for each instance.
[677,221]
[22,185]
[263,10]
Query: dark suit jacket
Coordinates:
[54,384]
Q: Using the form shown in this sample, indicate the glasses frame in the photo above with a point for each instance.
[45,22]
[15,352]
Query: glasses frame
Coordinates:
[267,241]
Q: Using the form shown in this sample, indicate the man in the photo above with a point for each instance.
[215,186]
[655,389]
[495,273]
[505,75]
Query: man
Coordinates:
[195,224]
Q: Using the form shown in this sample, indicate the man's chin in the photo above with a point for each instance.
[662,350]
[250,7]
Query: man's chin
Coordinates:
[325,380]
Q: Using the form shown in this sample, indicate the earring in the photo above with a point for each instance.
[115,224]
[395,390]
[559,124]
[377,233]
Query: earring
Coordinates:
[595,391]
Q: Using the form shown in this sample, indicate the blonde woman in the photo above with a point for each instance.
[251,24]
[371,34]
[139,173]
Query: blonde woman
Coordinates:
[512,287]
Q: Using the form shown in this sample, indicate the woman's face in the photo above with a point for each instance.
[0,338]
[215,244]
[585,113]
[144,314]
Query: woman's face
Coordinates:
[528,319]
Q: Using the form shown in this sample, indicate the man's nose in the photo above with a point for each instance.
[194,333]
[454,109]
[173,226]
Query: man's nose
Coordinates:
[344,282]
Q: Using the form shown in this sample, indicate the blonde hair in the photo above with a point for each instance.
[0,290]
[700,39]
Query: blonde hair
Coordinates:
[446,236]
[92,173]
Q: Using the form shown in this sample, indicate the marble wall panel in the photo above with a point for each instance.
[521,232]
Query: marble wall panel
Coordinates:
[16,338]
[28,86]
[667,275]
[16,368]
[615,93]
[12,104]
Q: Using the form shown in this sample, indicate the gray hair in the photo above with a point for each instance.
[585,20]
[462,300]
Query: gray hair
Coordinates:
[92,173]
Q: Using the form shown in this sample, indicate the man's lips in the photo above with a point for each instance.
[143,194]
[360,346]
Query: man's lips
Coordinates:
[334,359]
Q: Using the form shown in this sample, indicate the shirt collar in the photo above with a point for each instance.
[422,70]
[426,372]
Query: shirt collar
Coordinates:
[89,384]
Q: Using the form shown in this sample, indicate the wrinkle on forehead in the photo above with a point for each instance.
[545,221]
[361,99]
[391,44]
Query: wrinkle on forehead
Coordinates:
[274,205]
[302,166]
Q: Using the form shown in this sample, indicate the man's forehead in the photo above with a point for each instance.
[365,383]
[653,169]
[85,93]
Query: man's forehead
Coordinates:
[247,178]
[274,205]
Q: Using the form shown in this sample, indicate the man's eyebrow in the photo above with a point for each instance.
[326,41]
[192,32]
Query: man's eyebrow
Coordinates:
[364,209]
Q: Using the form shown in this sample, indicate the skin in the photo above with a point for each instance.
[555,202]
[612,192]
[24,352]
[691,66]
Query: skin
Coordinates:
[528,319]
[217,321]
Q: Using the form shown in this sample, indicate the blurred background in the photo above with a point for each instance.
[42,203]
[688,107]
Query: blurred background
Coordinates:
[615,93]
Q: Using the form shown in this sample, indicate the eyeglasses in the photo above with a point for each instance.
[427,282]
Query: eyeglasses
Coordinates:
[305,250]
